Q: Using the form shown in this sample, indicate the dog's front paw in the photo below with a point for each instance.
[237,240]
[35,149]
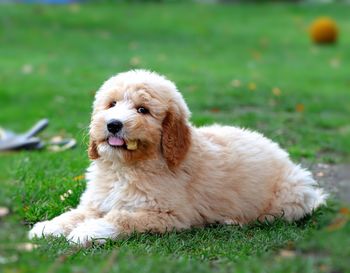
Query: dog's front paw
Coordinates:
[92,230]
[46,228]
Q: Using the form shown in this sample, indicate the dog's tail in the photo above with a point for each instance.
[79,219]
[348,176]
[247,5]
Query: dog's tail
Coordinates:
[299,194]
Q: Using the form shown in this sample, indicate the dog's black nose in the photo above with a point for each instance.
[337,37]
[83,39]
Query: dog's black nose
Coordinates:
[114,126]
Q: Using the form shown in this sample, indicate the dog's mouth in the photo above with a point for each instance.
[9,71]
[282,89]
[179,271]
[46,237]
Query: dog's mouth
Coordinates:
[118,142]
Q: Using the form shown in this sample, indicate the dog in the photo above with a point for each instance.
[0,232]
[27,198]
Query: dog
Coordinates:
[152,171]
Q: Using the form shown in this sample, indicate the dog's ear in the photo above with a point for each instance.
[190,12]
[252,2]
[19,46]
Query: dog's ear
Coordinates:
[176,139]
[92,150]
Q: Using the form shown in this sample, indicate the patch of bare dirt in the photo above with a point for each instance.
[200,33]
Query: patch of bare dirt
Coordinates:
[335,179]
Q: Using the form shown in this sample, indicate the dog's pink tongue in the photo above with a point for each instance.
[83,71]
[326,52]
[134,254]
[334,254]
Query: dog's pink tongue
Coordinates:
[115,141]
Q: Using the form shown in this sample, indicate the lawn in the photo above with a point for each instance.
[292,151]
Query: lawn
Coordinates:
[245,65]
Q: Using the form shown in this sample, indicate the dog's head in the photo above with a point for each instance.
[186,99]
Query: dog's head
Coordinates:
[139,115]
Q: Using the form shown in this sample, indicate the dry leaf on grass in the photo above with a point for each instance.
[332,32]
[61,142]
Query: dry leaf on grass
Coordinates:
[215,110]
[4,211]
[323,268]
[26,247]
[276,91]
[320,174]
[337,224]
[256,55]
[135,61]
[344,211]
[27,69]
[334,63]
[236,83]
[252,86]
[79,177]
[300,108]
[284,253]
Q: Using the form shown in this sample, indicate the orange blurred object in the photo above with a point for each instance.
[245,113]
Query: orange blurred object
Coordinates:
[324,31]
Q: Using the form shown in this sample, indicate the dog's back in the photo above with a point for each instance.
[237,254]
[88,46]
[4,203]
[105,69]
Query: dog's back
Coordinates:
[250,177]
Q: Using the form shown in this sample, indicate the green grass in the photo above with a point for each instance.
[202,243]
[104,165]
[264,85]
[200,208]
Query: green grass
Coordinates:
[54,58]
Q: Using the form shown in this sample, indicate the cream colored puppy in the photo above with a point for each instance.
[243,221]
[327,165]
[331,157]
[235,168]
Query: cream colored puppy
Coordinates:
[152,170]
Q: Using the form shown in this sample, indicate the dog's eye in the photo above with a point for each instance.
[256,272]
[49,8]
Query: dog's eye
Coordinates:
[112,104]
[142,110]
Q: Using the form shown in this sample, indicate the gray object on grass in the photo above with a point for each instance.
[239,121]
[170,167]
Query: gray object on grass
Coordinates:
[11,141]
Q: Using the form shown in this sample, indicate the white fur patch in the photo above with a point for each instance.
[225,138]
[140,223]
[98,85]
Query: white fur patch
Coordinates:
[299,194]
[122,111]
[94,229]
[46,228]
[118,197]
[115,195]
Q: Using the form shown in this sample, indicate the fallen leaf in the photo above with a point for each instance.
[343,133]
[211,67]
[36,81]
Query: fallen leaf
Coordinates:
[4,211]
[276,91]
[264,41]
[300,108]
[256,55]
[344,211]
[57,146]
[236,83]
[135,61]
[252,86]
[287,253]
[27,69]
[320,174]
[215,110]
[323,268]
[334,63]
[337,223]
[26,247]
[79,177]
[56,139]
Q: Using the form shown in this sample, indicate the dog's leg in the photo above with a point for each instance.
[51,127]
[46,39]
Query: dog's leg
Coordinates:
[62,224]
[117,223]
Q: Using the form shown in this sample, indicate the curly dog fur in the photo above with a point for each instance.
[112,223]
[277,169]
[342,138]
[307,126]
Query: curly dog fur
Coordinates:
[178,176]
